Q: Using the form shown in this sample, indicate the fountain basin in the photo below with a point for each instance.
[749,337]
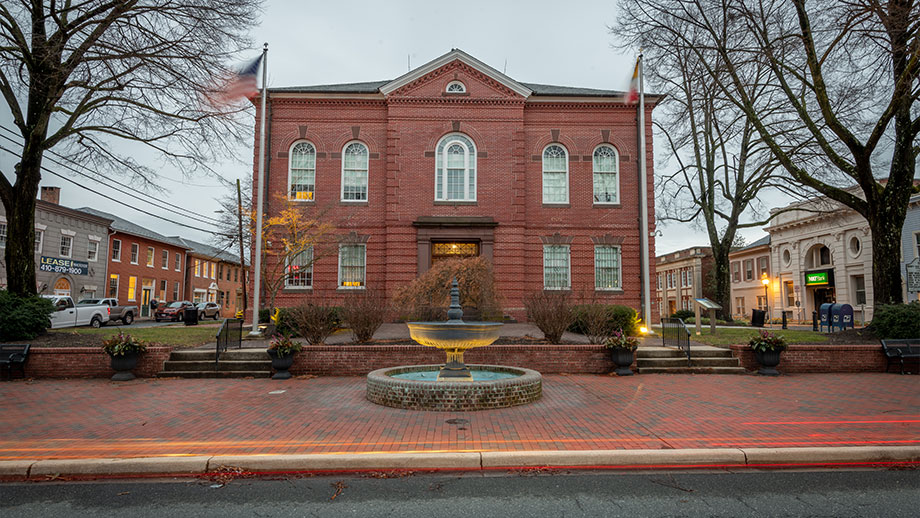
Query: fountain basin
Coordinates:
[454,335]
[524,386]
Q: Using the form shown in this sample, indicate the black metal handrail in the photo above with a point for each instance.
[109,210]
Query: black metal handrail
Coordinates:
[231,331]
[674,333]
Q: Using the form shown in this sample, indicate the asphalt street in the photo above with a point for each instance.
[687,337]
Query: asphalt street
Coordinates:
[506,494]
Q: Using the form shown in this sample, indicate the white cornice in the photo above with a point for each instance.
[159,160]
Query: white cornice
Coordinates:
[455,54]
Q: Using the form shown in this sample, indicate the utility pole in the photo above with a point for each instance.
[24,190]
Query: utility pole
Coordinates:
[239,213]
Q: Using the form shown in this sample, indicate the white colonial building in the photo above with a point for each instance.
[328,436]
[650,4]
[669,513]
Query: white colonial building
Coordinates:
[820,252]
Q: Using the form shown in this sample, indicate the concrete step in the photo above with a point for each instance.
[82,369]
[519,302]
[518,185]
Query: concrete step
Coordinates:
[670,352]
[188,355]
[213,374]
[682,362]
[691,370]
[224,365]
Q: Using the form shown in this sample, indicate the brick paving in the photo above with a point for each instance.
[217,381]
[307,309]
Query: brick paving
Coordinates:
[172,417]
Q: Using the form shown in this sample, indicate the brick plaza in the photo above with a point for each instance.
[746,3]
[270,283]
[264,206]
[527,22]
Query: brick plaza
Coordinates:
[172,417]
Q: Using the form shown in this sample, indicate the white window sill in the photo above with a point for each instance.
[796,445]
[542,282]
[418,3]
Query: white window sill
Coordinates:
[299,288]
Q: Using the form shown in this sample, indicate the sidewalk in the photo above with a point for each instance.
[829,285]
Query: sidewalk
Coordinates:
[578,415]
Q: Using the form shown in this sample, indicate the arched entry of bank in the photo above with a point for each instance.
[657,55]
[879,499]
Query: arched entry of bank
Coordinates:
[443,237]
[62,287]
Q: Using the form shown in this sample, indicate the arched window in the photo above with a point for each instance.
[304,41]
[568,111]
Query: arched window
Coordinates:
[302,171]
[455,169]
[555,174]
[354,172]
[606,179]
[455,87]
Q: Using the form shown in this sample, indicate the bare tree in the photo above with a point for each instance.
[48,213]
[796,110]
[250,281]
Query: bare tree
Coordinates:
[848,74]
[723,168]
[87,78]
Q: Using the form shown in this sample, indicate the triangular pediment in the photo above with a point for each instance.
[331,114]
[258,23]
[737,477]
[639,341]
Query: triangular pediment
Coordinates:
[455,61]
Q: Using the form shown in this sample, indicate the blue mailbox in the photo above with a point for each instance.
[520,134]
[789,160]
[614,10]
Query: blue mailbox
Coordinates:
[824,313]
[842,316]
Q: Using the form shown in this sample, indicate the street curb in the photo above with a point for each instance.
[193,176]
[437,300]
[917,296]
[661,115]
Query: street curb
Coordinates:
[727,458]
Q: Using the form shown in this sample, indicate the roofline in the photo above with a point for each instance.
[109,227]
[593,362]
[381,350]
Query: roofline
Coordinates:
[455,54]
[75,213]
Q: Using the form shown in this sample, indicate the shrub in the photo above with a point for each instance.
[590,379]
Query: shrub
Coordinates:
[621,340]
[767,341]
[428,296]
[618,317]
[283,345]
[23,318]
[364,312]
[122,344]
[684,314]
[592,321]
[314,322]
[897,321]
[551,311]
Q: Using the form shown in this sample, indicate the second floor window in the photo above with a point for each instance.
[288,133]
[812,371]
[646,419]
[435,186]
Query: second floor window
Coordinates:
[66,246]
[133,253]
[555,174]
[92,251]
[606,182]
[178,262]
[302,174]
[165,259]
[354,172]
[455,169]
[116,250]
[150,253]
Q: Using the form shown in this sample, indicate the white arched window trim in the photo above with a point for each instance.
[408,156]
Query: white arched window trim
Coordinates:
[600,197]
[306,195]
[469,167]
[565,153]
[366,172]
[455,87]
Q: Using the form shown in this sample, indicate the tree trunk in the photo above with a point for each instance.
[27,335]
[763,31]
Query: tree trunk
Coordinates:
[721,282]
[886,229]
[20,243]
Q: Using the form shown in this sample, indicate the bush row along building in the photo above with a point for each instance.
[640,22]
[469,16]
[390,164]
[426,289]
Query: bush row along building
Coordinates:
[457,159]
[87,253]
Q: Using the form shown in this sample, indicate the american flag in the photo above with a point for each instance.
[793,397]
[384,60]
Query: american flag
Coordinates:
[241,85]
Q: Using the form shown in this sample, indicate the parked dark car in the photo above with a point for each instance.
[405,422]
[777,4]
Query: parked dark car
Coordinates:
[208,309]
[172,311]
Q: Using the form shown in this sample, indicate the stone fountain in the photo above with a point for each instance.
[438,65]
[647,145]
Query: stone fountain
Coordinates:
[454,385]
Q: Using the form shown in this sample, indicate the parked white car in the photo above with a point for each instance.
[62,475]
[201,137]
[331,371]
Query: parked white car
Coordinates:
[68,314]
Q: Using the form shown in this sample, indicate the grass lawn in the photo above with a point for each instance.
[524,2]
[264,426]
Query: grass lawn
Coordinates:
[176,336]
[740,335]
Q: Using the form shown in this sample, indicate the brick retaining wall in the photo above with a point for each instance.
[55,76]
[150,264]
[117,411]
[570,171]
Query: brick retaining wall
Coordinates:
[88,362]
[358,360]
[820,358]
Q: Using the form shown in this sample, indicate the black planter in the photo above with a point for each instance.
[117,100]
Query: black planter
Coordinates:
[281,364]
[623,358]
[123,365]
[768,361]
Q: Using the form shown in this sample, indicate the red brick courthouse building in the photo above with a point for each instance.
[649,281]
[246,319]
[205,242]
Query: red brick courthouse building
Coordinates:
[456,158]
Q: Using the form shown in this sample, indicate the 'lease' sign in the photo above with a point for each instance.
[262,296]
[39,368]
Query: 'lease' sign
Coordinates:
[60,265]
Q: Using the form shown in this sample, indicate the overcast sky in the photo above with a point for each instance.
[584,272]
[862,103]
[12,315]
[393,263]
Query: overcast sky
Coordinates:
[327,42]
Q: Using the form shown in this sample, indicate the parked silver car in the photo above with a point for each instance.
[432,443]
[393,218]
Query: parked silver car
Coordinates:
[208,309]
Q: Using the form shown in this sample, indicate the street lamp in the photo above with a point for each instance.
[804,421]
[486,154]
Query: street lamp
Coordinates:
[766,282]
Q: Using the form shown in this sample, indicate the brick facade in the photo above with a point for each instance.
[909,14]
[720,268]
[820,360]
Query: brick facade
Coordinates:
[797,359]
[401,123]
[215,280]
[88,362]
[150,278]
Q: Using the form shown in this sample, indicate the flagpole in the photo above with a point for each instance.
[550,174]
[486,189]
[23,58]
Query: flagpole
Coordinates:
[257,261]
[643,206]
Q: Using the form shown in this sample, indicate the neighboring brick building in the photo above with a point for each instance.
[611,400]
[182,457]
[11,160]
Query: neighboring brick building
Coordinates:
[70,248]
[456,158]
[681,277]
[910,244]
[747,266]
[142,264]
[213,275]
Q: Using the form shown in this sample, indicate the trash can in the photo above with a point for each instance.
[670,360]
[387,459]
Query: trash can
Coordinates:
[190,317]
[757,317]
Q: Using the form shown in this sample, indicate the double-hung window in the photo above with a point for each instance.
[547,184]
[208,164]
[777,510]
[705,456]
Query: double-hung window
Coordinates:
[354,172]
[39,235]
[555,174]
[113,285]
[92,251]
[150,253]
[556,271]
[455,169]
[3,235]
[66,246]
[607,268]
[299,269]
[302,173]
[606,179]
[352,260]
[178,262]
[116,250]
[134,253]
[165,259]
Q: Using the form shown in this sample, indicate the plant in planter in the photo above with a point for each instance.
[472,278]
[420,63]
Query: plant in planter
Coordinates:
[767,347]
[281,350]
[124,350]
[622,351]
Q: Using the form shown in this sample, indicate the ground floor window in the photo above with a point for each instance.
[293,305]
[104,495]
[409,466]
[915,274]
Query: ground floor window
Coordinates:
[299,269]
[859,289]
[176,291]
[739,305]
[790,293]
[556,271]
[113,286]
[352,268]
[132,288]
[761,302]
[607,267]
